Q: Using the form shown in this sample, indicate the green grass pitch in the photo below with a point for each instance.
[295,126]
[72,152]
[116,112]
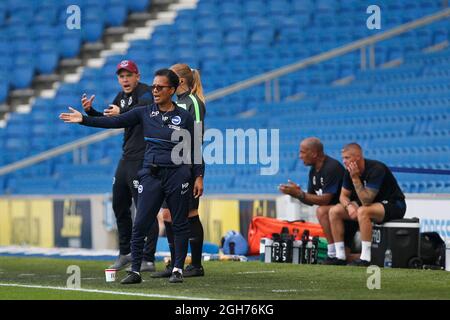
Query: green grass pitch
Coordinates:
[39,278]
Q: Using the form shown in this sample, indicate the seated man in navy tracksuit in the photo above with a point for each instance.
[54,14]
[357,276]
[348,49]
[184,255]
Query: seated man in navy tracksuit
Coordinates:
[370,193]
[163,176]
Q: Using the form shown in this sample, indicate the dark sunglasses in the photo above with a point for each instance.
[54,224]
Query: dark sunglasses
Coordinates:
[158,87]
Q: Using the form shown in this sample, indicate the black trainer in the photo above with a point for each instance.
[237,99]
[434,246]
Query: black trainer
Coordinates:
[359,263]
[121,262]
[193,271]
[132,278]
[162,274]
[334,262]
[329,261]
[146,266]
[176,277]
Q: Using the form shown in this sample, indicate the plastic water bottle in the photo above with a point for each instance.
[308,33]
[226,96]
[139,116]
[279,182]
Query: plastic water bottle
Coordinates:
[262,249]
[268,250]
[314,250]
[388,258]
[296,252]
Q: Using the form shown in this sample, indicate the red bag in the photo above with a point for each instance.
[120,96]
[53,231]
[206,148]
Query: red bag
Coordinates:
[263,227]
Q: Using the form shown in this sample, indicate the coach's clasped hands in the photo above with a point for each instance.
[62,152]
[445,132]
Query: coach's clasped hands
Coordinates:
[291,189]
[352,211]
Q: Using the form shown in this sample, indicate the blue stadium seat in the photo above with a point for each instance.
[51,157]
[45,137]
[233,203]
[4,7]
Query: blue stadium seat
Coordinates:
[47,62]
[206,9]
[139,5]
[99,3]
[253,8]
[306,6]
[262,37]
[23,77]
[23,15]
[46,15]
[230,8]
[67,3]
[210,38]
[116,15]
[2,15]
[4,86]
[326,6]
[92,31]
[234,24]
[70,46]
[282,8]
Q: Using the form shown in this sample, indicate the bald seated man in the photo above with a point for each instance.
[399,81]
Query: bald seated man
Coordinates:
[324,185]
[370,193]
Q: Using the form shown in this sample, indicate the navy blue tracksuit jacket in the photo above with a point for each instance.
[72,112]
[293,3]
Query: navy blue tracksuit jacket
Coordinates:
[160,176]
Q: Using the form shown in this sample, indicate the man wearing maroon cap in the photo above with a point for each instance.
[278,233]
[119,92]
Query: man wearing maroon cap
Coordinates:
[125,183]
[128,65]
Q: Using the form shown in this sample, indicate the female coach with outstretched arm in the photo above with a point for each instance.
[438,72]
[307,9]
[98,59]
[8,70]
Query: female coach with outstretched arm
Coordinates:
[189,97]
[160,178]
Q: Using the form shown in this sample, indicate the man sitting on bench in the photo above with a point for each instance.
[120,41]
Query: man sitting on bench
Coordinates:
[370,193]
[324,185]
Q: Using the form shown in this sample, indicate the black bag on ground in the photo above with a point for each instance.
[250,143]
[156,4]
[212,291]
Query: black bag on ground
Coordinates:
[432,249]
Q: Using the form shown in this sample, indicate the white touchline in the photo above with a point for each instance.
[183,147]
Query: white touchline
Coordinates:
[137,294]
[252,272]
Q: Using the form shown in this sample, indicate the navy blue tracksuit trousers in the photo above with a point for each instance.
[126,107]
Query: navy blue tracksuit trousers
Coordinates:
[156,184]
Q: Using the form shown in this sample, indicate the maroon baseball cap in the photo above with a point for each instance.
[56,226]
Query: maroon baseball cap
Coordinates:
[127,65]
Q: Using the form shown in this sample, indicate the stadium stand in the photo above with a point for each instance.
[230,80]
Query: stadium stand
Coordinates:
[399,114]
[34,36]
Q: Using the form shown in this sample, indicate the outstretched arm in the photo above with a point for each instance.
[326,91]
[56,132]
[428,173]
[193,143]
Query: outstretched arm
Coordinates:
[128,119]
[71,117]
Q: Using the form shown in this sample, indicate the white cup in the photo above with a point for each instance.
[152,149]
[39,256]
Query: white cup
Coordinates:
[110,275]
